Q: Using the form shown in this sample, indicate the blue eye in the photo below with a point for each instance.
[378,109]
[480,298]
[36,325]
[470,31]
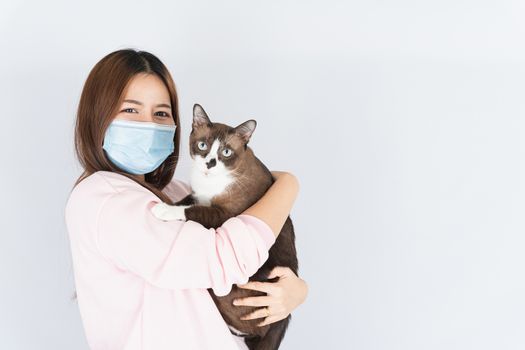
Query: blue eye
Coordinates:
[227,152]
[202,145]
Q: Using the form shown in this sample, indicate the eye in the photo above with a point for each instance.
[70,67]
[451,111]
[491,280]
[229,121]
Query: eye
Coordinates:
[129,109]
[202,145]
[164,114]
[227,152]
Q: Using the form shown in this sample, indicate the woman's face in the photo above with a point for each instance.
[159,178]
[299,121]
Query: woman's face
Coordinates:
[146,99]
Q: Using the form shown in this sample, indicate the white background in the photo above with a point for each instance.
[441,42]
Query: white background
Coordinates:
[403,121]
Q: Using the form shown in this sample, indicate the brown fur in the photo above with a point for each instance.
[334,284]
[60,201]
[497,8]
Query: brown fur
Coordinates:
[252,180]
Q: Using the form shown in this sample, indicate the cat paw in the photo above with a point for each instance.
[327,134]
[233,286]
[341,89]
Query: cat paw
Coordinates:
[168,212]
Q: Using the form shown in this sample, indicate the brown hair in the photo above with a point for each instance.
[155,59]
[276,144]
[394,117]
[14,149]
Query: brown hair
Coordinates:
[101,97]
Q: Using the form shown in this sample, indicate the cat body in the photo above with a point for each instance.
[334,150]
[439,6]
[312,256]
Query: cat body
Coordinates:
[226,179]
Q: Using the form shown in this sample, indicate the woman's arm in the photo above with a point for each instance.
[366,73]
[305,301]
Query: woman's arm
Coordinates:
[275,205]
[170,254]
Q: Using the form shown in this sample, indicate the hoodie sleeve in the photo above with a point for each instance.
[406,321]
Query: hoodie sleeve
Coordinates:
[180,254]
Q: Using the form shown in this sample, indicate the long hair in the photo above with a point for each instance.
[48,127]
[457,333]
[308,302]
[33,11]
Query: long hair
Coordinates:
[101,97]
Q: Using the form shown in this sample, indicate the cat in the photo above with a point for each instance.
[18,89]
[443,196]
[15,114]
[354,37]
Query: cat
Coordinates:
[226,178]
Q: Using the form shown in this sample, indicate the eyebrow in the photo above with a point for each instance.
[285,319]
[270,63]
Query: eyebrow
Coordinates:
[141,104]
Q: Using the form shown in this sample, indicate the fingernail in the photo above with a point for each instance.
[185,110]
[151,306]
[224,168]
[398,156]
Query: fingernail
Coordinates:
[235,302]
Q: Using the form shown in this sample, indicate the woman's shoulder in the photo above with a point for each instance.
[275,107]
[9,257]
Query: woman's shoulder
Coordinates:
[102,184]
[117,182]
[120,183]
[97,187]
[105,189]
[87,197]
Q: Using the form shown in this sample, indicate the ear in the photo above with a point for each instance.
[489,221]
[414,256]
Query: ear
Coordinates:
[246,129]
[200,117]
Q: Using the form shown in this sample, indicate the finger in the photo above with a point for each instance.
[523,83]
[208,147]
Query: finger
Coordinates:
[262,312]
[253,301]
[266,287]
[270,319]
[280,271]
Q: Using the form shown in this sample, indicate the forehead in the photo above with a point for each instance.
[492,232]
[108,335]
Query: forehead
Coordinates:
[219,131]
[147,87]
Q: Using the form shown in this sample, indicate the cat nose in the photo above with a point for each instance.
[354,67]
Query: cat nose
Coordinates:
[211,163]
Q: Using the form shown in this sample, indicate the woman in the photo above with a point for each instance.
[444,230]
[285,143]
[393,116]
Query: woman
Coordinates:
[142,282]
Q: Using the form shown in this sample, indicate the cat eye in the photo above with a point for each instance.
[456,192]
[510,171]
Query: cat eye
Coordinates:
[226,152]
[202,145]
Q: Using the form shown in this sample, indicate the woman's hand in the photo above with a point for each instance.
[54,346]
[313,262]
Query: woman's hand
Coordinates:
[282,296]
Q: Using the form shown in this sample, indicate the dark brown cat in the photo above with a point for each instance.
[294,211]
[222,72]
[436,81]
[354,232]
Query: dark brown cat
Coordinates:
[226,179]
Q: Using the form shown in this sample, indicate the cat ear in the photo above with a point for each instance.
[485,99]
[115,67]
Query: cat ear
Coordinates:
[200,117]
[246,129]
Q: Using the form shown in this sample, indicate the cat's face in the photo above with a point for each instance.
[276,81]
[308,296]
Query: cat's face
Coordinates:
[217,149]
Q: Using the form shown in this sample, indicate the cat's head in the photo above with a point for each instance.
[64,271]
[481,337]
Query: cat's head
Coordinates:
[217,149]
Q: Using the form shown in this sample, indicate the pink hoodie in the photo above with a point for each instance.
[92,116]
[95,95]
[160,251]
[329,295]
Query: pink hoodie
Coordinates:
[142,282]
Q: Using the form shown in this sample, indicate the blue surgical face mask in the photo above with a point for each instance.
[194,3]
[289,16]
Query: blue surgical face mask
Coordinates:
[138,147]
